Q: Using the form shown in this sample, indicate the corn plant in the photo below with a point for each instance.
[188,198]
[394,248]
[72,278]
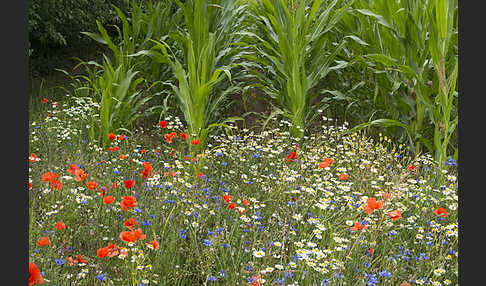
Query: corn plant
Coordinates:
[116,84]
[398,37]
[294,46]
[205,41]
[441,111]
[120,101]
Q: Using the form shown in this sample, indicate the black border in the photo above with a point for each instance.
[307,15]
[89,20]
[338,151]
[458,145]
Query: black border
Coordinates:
[15,143]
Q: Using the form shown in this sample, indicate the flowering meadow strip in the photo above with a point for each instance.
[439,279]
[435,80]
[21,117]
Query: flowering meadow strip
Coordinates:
[253,209]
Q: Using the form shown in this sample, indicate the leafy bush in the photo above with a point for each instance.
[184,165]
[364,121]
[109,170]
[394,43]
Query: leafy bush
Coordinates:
[54,24]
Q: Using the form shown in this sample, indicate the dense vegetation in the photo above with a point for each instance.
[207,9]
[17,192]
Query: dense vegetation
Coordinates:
[159,166]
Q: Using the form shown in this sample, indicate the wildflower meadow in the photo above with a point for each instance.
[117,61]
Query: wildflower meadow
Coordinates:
[138,176]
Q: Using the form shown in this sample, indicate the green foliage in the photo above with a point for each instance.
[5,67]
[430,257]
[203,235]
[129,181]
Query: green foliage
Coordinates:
[116,83]
[56,24]
[204,41]
[396,43]
[295,47]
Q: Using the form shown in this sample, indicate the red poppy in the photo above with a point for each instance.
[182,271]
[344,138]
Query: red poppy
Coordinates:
[246,202]
[441,211]
[184,136]
[72,169]
[129,223]
[372,205]
[154,244]
[168,137]
[147,166]
[43,241]
[147,169]
[412,168]
[127,203]
[327,162]
[112,250]
[102,191]
[33,158]
[60,225]
[56,185]
[405,284]
[227,198]
[358,226]
[111,136]
[195,141]
[121,137]
[291,156]
[114,186]
[80,175]
[395,215]
[143,151]
[30,186]
[123,156]
[108,199]
[343,176]
[139,234]
[232,206]
[35,276]
[128,236]
[45,100]
[163,124]
[91,185]
[49,176]
[80,259]
[129,183]
[102,252]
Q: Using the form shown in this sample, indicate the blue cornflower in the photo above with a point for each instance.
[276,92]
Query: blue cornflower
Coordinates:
[325,282]
[222,274]
[211,278]
[182,233]
[224,163]
[371,279]
[101,277]
[450,162]
[60,261]
[385,273]
[225,245]
[208,242]
[146,222]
